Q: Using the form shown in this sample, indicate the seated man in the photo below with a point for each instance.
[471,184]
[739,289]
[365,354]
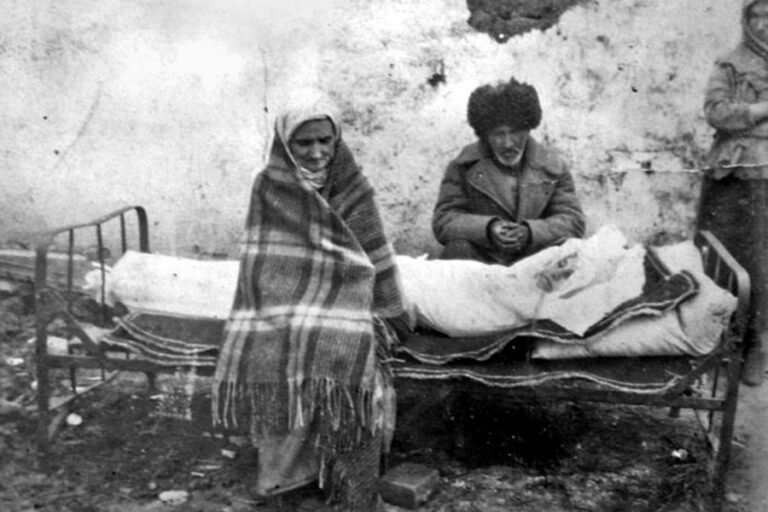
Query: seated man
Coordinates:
[505,196]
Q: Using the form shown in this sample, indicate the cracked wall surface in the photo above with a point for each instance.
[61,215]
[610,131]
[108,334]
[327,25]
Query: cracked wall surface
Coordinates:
[503,19]
[167,104]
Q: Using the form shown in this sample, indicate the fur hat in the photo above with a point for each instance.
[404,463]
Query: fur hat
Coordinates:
[512,103]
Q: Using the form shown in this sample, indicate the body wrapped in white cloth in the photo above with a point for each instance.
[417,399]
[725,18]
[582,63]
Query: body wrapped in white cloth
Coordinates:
[156,283]
[573,284]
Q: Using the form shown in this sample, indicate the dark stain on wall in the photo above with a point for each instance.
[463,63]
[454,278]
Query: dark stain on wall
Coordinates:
[502,19]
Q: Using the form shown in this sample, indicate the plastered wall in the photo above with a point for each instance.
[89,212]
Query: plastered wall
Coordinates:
[167,104]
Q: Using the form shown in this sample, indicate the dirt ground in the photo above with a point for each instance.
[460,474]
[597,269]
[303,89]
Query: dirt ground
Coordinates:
[117,450]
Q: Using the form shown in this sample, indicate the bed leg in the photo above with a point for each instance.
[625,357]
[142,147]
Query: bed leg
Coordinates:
[455,409]
[41,362]
[723,455]
[43,400]
[73,379]
[43,414]
[152,381]
[384,463]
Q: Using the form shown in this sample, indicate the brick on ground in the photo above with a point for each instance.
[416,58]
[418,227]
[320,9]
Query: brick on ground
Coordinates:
[408,485]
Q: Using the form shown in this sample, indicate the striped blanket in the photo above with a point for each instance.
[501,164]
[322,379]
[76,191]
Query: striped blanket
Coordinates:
[663,291]
[300,343]
[171,340]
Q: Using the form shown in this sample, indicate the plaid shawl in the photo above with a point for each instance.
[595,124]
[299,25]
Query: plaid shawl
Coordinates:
[315,270]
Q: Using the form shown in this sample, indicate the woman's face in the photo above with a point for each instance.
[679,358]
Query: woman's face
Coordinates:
[312,144]
[758,19]
[507,144]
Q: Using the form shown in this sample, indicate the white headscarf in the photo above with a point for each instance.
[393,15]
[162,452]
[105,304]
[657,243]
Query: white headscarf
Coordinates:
[302,106]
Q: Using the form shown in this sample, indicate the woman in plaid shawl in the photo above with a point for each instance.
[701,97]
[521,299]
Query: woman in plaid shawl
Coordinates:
[302,365]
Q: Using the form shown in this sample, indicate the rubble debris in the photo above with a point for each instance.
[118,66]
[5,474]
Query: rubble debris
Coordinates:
[10,323]
[174,498]
[74,420]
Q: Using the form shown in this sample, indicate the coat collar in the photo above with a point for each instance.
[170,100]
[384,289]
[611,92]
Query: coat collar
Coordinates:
[531,195]
[535,156]
[745,60]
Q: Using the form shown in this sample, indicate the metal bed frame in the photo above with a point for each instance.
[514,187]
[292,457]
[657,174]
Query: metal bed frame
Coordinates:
[722,368]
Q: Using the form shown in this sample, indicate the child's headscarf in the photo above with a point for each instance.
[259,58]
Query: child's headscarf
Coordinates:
[751,39]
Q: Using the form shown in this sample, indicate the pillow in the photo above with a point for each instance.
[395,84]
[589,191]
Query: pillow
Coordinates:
[706,315]
[693,329]
[640,336]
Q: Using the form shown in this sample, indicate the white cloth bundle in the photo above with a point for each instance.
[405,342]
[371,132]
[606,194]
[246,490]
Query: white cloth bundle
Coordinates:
[694,328]
[574,284]
[168,284]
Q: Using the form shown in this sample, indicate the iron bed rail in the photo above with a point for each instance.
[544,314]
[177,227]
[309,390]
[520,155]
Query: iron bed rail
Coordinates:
[723,365]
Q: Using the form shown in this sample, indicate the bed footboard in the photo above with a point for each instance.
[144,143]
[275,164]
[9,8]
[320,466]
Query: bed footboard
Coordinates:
[128,228]
[723,268]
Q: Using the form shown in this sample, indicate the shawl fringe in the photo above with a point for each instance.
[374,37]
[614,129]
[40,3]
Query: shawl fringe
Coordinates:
[345,415]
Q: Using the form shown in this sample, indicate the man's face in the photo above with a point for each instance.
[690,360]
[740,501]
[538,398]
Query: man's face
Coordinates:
[758,20]
[312,144]
[507,144]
